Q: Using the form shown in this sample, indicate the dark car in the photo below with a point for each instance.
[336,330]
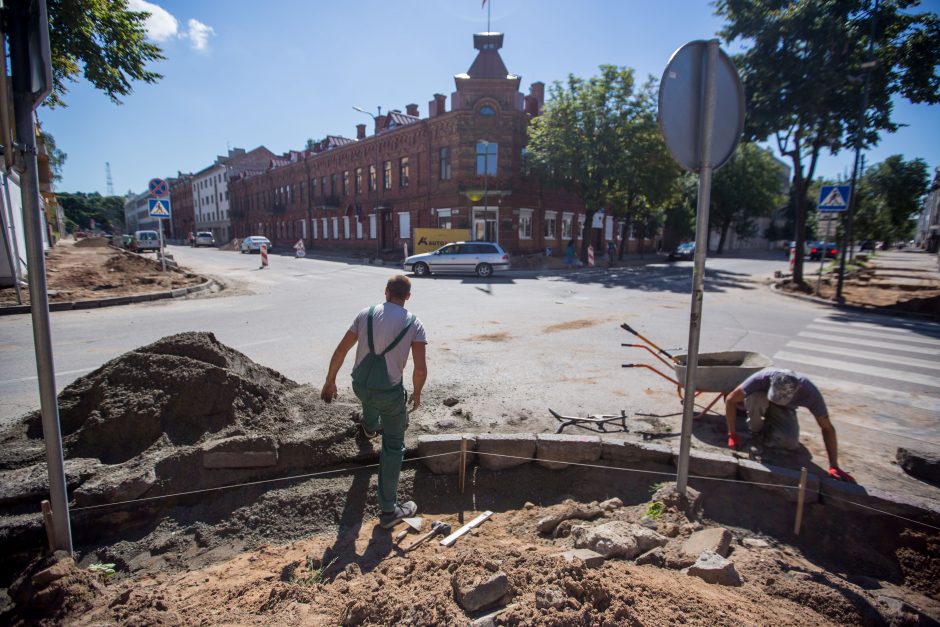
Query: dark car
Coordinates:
[818,249]
[685,250]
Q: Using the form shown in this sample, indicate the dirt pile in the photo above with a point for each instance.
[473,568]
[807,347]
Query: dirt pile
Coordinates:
[235,244]
[92,242]
[507,570]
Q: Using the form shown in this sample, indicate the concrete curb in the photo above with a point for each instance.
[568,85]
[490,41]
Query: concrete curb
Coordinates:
[559,451]
[113,301]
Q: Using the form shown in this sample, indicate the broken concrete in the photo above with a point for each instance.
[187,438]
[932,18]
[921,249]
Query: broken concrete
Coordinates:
[713,568]
[550,597]
[716,540]
[516,445]
[653,557]
[569,511]
[591,559]
[617,539]
[473,596]
[557,452]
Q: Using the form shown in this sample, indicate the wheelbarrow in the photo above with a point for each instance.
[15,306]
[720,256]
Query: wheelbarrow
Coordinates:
[717,373]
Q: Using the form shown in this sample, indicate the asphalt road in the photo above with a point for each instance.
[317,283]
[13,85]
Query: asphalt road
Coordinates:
[521,342]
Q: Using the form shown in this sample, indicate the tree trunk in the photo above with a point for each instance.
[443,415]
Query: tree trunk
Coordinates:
[586,233]
[799,221]
[722,237]
[623,239]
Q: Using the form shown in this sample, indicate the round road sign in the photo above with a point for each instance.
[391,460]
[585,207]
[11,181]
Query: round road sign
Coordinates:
[158,188]
[681,101]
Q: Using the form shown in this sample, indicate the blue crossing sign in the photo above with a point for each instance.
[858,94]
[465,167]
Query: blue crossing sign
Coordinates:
[159,207]
[834,198]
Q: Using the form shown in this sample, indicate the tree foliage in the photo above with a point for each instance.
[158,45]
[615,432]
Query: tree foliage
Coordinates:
[56,156]
[803,69]
[890,198]
[80,208]
[104,42]
[599,138]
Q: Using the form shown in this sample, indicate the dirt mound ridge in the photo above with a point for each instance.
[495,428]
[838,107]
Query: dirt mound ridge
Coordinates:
[92,242]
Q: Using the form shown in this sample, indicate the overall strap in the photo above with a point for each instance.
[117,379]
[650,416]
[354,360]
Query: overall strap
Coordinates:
[411,319]
[371,345]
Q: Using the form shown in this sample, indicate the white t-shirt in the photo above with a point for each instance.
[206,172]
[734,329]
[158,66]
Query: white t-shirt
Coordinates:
[388,320]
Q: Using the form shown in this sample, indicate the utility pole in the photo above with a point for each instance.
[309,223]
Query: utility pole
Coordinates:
[30,59]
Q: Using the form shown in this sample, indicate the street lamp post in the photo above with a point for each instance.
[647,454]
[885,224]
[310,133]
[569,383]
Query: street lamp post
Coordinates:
[375,206]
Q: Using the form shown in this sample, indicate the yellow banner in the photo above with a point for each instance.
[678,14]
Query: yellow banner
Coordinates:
[428,240]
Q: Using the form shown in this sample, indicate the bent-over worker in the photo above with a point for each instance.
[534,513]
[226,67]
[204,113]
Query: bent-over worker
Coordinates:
[386,334]
[771,397]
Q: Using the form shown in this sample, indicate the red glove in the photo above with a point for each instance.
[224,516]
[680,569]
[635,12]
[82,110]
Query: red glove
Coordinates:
[733,441]
[837,473]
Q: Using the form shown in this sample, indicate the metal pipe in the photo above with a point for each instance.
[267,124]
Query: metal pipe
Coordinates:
[24,102]
[706,120]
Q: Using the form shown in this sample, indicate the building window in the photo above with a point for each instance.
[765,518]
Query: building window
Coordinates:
[334,178]
[372,181]
[445,163]
[358,180]
[566,226]
[444,219]
[550,225]
[487,110]
[313,188]
[345,182]
[322,187]
[387,175]
[525,224]
[403,172]
[302,193]
[486,158]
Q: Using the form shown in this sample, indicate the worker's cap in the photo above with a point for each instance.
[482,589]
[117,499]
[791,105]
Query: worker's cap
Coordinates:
[783,387]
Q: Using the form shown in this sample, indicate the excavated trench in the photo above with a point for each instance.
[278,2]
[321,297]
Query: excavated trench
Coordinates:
[220,420]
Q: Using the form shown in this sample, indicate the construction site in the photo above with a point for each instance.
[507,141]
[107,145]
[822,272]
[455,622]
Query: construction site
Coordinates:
[227,493]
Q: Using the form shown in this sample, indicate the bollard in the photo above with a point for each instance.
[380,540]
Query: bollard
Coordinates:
[264,256]
[792,258]
[590,256]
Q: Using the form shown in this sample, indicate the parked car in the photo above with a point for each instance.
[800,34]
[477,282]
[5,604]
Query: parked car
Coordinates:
[145,240]
[481,258]
[866,244]
[203,238]
[817,249]
[127,242]
[252,244]
[685,250]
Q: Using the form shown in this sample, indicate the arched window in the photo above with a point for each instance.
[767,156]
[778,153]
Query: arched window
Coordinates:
[487,110]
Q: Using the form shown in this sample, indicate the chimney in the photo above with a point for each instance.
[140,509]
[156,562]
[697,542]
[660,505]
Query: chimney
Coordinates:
[412,110]
[537,91]
[438,105]
[360,131]
[379,123]
[531,106]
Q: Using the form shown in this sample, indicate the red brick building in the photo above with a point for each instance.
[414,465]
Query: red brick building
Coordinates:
[457,168]
[183,213]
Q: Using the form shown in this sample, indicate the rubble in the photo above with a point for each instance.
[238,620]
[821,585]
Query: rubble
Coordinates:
[713,568]
[617,539]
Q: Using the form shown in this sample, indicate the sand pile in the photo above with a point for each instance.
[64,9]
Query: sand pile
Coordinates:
[92,242]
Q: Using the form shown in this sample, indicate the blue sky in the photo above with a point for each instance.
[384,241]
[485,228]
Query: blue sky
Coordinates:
[243,73]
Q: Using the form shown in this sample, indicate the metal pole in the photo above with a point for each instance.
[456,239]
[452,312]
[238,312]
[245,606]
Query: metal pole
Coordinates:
[822,254]
[162,250]
[701,244]
[39,299]
[9,235]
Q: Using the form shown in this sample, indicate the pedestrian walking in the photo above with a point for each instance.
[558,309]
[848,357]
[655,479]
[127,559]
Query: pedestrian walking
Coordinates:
[611,252]
[385,334]
[570,254]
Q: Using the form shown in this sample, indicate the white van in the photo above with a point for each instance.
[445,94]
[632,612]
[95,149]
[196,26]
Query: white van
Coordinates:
[146,240]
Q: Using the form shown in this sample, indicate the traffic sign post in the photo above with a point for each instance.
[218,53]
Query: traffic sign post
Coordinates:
[699,81]
[160,208]
[832,199]
[158,188]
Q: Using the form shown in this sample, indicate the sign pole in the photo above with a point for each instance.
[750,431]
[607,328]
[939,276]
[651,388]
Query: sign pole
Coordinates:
[822,254]
[162,251]
[706,122]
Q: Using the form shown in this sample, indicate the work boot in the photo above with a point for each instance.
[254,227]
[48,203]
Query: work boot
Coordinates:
[402,510]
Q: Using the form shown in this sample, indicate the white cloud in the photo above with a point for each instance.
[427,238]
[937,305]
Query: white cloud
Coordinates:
[198,34]
[160,25]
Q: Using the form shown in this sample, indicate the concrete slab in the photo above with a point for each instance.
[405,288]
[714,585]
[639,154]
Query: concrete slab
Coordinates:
[626,453]
[704,464]
[557,452]
[787,478]
[515,444]
[447,448]
[591,559]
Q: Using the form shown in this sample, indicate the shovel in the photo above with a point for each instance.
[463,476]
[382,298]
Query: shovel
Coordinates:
[416,523]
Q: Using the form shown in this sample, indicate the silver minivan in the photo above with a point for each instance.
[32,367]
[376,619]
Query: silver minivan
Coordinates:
[146,240]
[480,258]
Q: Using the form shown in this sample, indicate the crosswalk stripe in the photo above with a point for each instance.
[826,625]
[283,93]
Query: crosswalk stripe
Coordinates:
[846,366]
[879,321]
[870,355]
[917,401]
[935,329]
[872,343]
[866,334]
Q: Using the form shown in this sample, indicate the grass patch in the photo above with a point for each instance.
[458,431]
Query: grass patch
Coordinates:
[655,509]
[314,574]
[106,570]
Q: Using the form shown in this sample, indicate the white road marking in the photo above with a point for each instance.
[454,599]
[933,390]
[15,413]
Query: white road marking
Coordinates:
[918,401]
[873,343]
[866,334]
[62,373]
[879,322]
[752,332]
[870,355]
[847,366]
[907,330]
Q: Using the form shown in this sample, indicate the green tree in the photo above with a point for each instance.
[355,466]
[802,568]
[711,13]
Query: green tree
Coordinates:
[750,185]
[104,42]
[801,70]
[56,157]
[890,199]
[599,138]
[80,208]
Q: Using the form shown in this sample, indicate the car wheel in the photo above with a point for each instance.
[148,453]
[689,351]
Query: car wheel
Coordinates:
[484,270]
[421,269]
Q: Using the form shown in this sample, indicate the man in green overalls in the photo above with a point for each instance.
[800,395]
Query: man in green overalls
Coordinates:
[386,334]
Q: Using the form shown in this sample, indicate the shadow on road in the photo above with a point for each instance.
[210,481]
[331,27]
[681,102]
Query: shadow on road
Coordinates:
[659,278]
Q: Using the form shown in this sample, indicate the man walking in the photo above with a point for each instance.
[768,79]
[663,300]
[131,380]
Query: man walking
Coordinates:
[385,335]
[771,397]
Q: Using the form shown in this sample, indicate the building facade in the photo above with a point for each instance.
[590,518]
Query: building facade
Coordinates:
[210,193]
[181,199]
[928,222]
[462,168]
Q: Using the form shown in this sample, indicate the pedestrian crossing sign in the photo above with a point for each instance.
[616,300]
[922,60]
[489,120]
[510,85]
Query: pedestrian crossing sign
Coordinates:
[159,208]
[834,198]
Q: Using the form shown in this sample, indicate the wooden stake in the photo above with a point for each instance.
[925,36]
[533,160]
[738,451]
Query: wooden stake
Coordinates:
[463,463]
[799,502]
[47,522]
